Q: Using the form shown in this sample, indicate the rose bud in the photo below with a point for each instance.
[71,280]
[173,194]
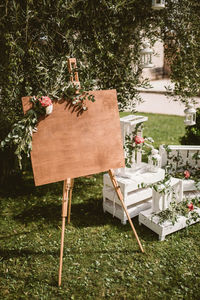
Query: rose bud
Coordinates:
[138,139]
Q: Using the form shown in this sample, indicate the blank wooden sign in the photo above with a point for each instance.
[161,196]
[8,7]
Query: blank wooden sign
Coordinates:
[68,146]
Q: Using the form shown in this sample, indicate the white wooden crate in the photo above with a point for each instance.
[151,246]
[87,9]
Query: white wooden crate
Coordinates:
[128,124]
[134,197]
[189,185]
[161,201]
[134,177]
[117,211]
[152,222]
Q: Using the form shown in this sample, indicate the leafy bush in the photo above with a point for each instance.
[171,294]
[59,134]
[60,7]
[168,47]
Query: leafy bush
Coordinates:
[37,37]
[192,134]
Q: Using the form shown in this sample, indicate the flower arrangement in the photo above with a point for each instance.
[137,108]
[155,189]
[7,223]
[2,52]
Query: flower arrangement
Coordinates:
[138,140]
[134,142]
[21,133]
[186,208]
[176,166]
[186,174]
[45,101]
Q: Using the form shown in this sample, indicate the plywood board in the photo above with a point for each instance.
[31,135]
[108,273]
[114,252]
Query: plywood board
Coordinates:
[68,146]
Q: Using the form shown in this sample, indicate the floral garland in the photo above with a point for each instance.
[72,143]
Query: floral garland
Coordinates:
[186,208]
[22,131]
[134,142]
[183,171]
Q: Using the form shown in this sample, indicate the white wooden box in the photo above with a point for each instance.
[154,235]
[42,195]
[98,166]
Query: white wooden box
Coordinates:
[161,201]
[136,199]
[128,124]
[146,218]
[117,211]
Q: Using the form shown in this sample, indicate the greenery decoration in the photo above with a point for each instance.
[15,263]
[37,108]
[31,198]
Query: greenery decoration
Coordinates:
[192,133]
[134,143]
[177,168]
[37,37]
[186,208]
[22,131]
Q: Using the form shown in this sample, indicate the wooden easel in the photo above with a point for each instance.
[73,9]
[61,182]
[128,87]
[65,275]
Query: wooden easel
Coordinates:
[68,187]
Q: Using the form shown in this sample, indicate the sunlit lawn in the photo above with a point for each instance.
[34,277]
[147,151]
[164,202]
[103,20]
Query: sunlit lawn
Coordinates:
[101,256]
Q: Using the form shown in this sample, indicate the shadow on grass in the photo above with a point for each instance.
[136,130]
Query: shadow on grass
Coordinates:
[24,186]
[49,213]
[11,253]
[16,234]
[87,214]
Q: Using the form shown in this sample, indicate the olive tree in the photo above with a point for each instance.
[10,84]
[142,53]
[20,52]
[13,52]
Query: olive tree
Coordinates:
[38,36]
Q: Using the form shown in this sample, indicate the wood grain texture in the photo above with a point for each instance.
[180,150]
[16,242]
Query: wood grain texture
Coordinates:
[70,146]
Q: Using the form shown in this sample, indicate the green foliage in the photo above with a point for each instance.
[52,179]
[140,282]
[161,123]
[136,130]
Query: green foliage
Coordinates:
[37,37]
[177,166]
[101,257]
[192,133]
[21,135]
[176,210]
[131,147]
[180,32]
[22,132]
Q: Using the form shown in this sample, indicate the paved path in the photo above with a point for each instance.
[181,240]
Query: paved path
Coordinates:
[155,100]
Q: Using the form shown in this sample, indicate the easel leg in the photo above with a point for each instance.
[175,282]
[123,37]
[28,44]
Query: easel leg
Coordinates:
[120,196]
[66,191]
[70,201]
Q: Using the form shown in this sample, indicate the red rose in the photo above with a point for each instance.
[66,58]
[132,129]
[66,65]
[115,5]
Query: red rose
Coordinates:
[45,101]
[139,139]
[186,174]
[190,206]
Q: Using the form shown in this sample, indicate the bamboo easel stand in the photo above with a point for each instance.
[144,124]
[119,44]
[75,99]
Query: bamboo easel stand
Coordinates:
[66,211]
[68,187]
[120,196]
[70,200]
[67,194]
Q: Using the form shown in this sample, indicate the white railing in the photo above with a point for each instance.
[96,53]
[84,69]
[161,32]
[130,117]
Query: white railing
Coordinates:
[180,155]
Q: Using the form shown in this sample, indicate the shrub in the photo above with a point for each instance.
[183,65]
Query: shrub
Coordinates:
[192,134]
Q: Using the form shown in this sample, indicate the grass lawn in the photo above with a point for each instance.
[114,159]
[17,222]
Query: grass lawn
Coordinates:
[101,256]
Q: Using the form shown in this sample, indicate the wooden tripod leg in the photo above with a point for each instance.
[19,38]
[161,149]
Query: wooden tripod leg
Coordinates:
[66,190]
[120,196]
[70,201]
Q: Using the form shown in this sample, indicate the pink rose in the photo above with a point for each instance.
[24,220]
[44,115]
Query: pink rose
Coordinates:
[139,139]
[186,174]
[190,206]
[45,101]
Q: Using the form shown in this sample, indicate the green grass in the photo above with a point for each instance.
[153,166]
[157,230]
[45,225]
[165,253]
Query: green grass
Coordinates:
[164,129]
[101,257]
